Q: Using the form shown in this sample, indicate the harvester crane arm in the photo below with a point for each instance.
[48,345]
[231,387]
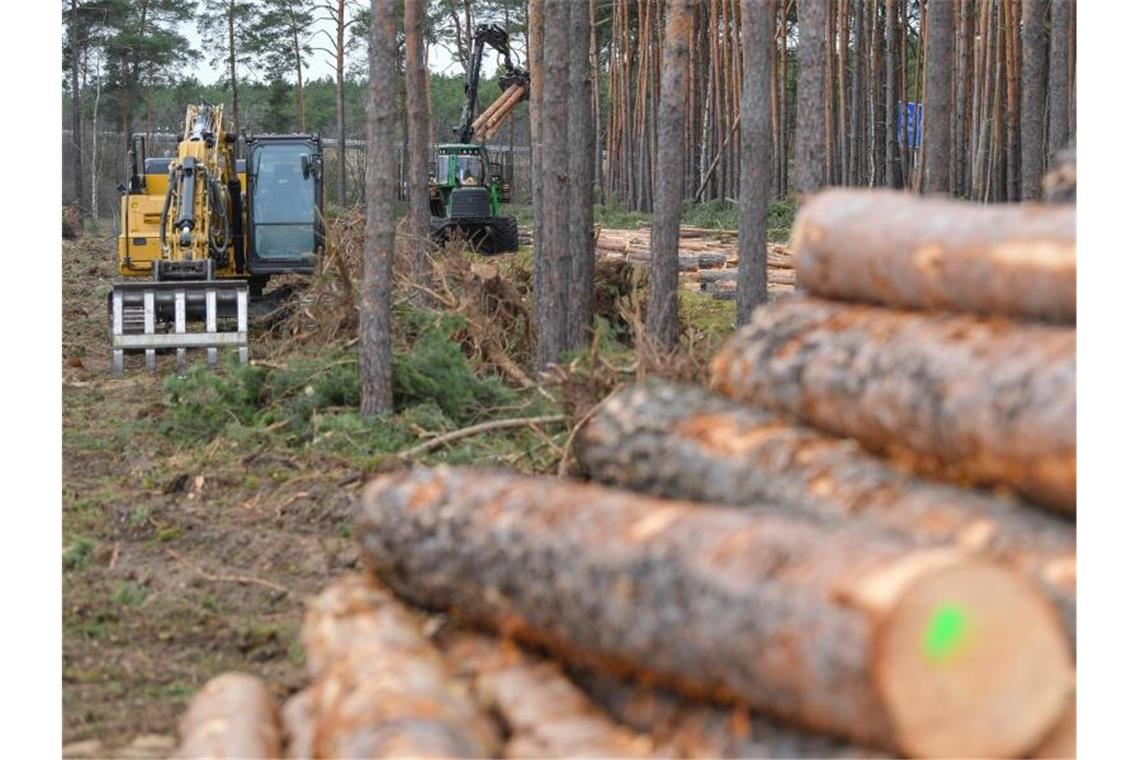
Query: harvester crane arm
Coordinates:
[513,77]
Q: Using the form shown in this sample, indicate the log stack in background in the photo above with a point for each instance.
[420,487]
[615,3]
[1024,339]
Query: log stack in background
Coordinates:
[707,259]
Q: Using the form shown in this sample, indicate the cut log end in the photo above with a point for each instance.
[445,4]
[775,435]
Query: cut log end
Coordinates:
[970,661]
[1062,740]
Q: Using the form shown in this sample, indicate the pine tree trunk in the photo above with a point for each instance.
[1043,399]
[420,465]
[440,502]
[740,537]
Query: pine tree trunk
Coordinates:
[419,140]
[76,112]
[341,126]
[893,166]
[300,76]
[756,159]
[1012,19]
[937,116]
[535,23]
[1059,22]
[965,398]
[855,153]
[682,442]
[661,314]
[596,98]
[878,102]
[844,89]
[556,194]
[810,153]
[814,625]
[963,90]
[1033,62]
[580,240]
[381,188]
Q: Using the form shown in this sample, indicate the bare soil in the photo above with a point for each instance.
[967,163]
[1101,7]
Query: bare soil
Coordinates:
[180,561]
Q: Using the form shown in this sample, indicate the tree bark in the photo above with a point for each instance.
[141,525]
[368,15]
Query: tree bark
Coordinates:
[756,158]
[231,31]
[233,715]
[1012,21]
[544,713]
[76,112]
[894,167]
[1017,261]
[810,153]
[535,23]
[1033,68]
[381,188]
[661,314]
[554,283]
[341,126]
[963,87]
[581,212]
[969,399]
[937,108]
[419,141]
[685,728]
[681,442]
[380,688]
[297,64]
[816,626]
[1059,22]
[855,103]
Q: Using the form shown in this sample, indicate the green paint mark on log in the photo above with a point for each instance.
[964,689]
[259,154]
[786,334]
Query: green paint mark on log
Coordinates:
[945,633]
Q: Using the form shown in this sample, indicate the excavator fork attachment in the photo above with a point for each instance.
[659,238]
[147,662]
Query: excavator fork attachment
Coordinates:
[154,316]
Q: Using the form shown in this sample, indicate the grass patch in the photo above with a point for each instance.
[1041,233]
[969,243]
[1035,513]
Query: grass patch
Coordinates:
[711,319]
[78,554]
[129,595]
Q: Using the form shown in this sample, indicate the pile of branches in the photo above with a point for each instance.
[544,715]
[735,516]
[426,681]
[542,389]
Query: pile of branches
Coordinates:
[857,542]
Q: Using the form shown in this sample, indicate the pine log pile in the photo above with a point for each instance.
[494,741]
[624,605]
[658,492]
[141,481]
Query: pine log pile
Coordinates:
[679,441]
[837,629]
[908,251]
[967,398]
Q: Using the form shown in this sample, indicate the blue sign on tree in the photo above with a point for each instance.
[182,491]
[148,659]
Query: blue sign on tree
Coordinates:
[910,122]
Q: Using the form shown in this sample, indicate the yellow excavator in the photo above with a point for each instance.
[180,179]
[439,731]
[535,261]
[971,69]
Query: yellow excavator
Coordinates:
[203,231]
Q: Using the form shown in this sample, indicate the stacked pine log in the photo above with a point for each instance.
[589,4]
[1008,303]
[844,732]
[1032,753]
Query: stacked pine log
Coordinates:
[923,387]
[858,543]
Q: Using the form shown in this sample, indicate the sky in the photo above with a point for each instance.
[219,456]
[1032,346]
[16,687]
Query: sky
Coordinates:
[320,64]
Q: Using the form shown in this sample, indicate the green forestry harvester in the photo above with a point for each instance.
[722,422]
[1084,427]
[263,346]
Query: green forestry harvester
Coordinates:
[468,190]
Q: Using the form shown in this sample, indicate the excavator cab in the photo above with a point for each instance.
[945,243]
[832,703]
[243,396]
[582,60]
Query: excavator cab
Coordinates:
[285,198]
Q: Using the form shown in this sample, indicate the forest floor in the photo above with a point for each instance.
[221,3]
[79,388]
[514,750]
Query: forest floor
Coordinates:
[199,513]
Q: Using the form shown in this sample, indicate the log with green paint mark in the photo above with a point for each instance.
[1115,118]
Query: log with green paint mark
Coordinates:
[811,623]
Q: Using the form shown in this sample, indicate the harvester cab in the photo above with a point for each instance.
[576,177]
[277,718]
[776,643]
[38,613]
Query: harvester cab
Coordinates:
[467,194]
[467,189]
[202,232]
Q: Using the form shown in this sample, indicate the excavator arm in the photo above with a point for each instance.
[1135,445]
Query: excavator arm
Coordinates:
[515,85]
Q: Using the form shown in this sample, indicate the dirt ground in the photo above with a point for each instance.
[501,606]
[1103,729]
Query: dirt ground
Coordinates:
[180,561]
